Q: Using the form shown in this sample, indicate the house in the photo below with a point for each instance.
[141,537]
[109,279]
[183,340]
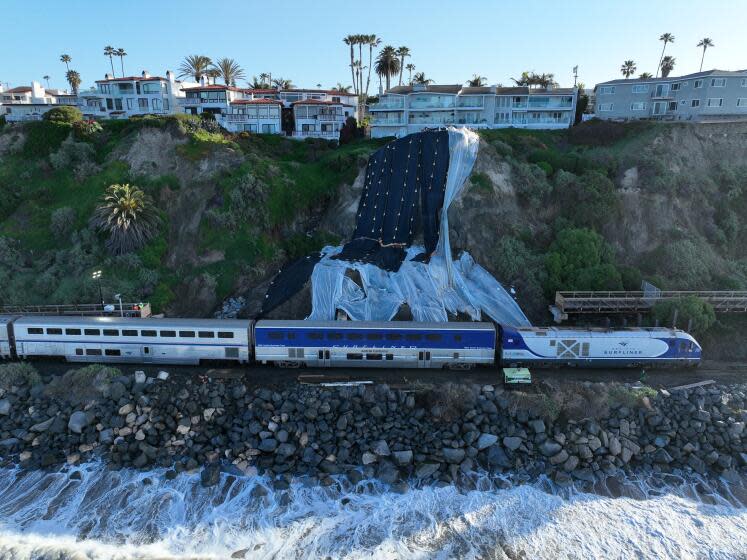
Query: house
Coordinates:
[29,103]
[406,109]
[316,118]
[713,95]
[119,98]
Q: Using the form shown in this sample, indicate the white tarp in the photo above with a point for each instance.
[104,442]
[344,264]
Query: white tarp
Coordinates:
[432,290]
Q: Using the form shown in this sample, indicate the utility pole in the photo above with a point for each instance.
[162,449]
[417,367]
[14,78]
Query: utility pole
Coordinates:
[97,276]
[575,75]
[121,310]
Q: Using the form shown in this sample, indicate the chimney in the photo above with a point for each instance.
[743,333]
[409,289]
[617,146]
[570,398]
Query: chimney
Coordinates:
[169,75]
[202,80]
[107,76]
[145,74]
[37,91]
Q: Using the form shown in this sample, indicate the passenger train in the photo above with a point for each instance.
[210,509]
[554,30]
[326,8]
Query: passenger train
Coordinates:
[339,343]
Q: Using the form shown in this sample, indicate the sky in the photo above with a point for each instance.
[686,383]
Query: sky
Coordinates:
[302,40]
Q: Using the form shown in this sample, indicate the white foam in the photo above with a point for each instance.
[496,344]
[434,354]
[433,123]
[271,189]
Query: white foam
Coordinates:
[113,514]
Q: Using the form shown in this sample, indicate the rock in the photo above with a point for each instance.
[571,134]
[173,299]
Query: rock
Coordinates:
[163,375]
[140,435]
[571,464]
[387,472]
[381,448]
[402,458]
[538,426]
[594,443]
[550,448]
[376,412]
[369,458]
[512,442]
[497,457]
[78,421]
[4,407]
[25,456]
[106,436]
[311,457]
[735,430]
[185,424]
[42,426]
[116,391]
[285,449]
[584,474]
[140,377]
[453,456]
[240,553]
[661,441]
[626,455]
[661,456]
[697,464]
[559,458]
[268,445]
[486,440]
[126,409]
[615,447]
[207,414]
[73,459]
[426,470]
[210,475]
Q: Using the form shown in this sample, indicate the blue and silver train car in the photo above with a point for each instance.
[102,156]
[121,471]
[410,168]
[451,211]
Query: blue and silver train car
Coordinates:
[593,347]
[374,344]
[114,339]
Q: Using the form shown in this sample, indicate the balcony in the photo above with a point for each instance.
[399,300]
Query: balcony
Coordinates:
[552,103]
[416,104]
[387,122]
[519,104]
[388,105]
[470,102]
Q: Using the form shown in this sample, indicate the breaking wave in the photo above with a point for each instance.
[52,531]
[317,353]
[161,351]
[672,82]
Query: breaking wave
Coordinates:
[131,515]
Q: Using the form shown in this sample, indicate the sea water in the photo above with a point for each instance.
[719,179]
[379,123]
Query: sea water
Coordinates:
[129,514]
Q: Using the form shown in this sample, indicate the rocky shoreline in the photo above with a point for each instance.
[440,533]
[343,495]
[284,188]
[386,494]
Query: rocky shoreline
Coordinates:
[442,433]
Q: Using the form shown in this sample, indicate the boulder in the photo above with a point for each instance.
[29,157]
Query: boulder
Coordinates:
[550,448]
[453,456]
[426,470]
[381,448]
[661,456]
[4,407]
[126,409]
[486,440]
[210,475]
[512,442]
[42,426]
[497,457]
[387,472]
[538,426]
[78,421]
[268,445]
[140,377]
[369,458]
[163,375]
[285,450]
[402,458]
[615,447]
[570,464]
[559,458]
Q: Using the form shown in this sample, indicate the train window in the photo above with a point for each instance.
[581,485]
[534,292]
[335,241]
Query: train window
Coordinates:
[91,332]
[412,337]
[93,352]
[355,356]
[393,336]
[111,332]
[148,333]
[373,336]
[54,331]
[72,332]
[275,335]
[205,334]
[373,356]
[225,334]
[334,336]
[112,352]
[433,337]
[390,357]
[79,351]
[35,330]
[168,334]
[315,336]
[129,332]
[187,334]
[354,336]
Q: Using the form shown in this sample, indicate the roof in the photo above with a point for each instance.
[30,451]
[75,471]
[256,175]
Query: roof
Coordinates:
[388,325]
[129,322]
[213,87]
[132,79]
[256,102]
[266,90]
[58,93]
[21,89]
[482,90]
[674,78]
[320,102]
[455,88]
[327,91]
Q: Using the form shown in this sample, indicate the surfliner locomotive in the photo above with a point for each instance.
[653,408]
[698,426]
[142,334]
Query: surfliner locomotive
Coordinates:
[339,343]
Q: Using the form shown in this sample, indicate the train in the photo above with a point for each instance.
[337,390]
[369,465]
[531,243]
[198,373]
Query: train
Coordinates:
[286,343]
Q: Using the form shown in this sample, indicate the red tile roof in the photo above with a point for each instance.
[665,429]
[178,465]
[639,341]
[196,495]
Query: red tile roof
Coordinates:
[212,87]
[327,91]
[316,102]
[260,90]
[21,89]
[132,79]
[256,102]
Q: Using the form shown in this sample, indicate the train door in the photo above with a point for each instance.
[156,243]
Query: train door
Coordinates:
[323,356]
[424,358]
[146,353]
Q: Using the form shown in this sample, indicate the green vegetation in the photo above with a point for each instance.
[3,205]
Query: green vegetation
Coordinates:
[481,181]
[65,114]
[128,215]
[82,384]
[691,313]
[18,373]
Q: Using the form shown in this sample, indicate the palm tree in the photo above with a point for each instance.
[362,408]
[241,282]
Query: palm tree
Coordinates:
[628,68]
[705,43]
[421,79]
[229,70]
[525,79]
[410,67]
[266,78]
[259,83]
[667,38]
[351,41]
[67,60]
[667,65]
[402,52]
[120,52]
[645,76]
[73,78]
[194,66]
[46,79]
[387,64]
[477,81]
[373,42]
[212,74]
[128,215]
[341,88]
[282,83]
[110,52]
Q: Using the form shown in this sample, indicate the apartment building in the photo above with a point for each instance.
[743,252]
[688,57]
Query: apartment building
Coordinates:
[406,109]
[121,98]
[711,96]
[29,103]
[320,119]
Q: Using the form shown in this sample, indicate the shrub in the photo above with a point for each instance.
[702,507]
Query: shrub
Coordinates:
[18,373]
[2,121]
[691,313]
[481,181]
[63,114]
[82,384]
[597,132]
[43,137]
[546,167]
[62,222]
[589,200]
[85,130]
[72,154]
[350,131]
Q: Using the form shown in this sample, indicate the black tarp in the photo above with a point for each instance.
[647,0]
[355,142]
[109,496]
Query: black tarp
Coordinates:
[288,281]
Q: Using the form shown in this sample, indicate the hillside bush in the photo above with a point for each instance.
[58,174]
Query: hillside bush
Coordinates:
[63,114]
[598,132]
[481,181]
[62,222]
[588,200]
[530,182]
[85,130]
[43,137]
[691,313]
[18,373]
[82,384]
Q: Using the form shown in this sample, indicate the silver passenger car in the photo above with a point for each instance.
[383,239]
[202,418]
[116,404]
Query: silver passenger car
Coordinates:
[114,339]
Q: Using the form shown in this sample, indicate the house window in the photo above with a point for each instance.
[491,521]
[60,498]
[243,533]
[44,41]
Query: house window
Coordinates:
[638,106]
[605,107]
[641,88]
[156,104]
[672,105]
[142,103]
[129,103]
[503,101]
[718,82]
[676,87]
[118,104]
[698,84]
[715,101]
[335,100]
[606,90]
[268,129]
[742,102]
[104,88]
[165,104]
[109,103]
[695,103]
[502,118]
[152,87]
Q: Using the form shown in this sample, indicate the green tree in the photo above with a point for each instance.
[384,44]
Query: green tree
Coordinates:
[420,79]
[229,70]
[195,66]
[580,259]
[645,76]
[73,78]
[691,313]
[351,41]
[65,58]
[666,38]
[410,67]
[387,64]
[704,43]
[111,52]
[129,216]
[477,81]
[667,65]
[628,68]
[63,114]
[46,79]
[402,53]
[588,200]
[121,53]
[282,83]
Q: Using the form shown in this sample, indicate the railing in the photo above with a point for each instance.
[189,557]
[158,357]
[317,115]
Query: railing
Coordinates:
[141,310]
[465,103]
[417,105]
[385,122]
[388,105]
[328,117]
[316,133]
[518,104]
[550,104]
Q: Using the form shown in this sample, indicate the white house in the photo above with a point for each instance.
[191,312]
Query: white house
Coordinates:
[320,119]
[253,115]
[29,103]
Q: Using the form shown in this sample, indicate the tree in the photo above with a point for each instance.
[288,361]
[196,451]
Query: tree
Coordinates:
[586,200]
[266,77]
[341,88]
[628,68]
[387,64]
[128,215]
[212,74]
[282,83]
[477,81]
[351,41]
[420,79]
[705,43]
[689,312]
[229,70]
[645,76]
[67,60]
[259,83]
[410,67]
[195,66]
[402,53]
[666,38]
[373,42]
[63,114]
[111,53]
[46,79]
[121,53]
[73,78]
[667,65]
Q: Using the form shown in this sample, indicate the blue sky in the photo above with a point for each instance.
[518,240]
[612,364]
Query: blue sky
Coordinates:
[302,40]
